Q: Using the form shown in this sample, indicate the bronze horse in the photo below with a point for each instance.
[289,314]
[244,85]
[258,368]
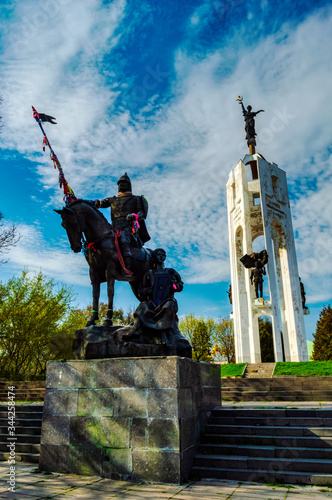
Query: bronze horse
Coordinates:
[87,228]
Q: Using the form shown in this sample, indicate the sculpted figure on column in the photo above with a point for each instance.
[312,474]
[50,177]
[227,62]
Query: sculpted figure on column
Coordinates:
[249,118]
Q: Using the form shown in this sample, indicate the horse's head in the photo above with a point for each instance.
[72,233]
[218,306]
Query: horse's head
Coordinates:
[73,225]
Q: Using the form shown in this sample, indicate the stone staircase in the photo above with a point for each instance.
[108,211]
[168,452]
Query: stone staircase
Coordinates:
[27,430]
[277,389]
[24,391]
[270,445]
[259,370]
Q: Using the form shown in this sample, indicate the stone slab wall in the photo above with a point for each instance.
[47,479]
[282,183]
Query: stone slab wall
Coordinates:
[137,418]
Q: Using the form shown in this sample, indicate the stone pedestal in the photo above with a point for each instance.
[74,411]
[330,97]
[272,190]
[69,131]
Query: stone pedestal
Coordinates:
[130,418]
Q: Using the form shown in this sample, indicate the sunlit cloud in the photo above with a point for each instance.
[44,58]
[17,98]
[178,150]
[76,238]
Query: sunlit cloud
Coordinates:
[179,157]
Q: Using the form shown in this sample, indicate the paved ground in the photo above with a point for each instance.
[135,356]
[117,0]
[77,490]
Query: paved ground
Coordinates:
[33,485]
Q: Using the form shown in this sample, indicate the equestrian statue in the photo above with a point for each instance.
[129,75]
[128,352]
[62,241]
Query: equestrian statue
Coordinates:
[110,249]
[116,252]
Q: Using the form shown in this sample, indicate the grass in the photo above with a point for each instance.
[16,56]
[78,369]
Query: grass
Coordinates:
[232,369]
[304,369]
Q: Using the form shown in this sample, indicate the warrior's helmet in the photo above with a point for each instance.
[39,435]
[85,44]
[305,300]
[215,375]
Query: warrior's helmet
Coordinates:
[124,183]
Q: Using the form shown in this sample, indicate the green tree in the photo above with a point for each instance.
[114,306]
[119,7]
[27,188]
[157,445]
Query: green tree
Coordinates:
[323,337]
[36,325]
[119,316]
[266,340]
[199,332]
[224,340]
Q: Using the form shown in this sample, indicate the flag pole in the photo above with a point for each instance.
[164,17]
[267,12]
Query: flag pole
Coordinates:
[69,195]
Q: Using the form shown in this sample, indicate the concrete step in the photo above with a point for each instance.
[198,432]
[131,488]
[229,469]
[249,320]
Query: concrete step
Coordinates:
[273,396]
[35,415]
[22,429]
[274,445]
[276,389]
[36,384]
[242,383]
[27,423]
[266,440]
[25,438]
[311,382]
[21,422]
[25,397]
[262,388]
[266,476]
[22,457]
[275,420]
[21,447]
[248,395]
[265,451]
[310,465]
[22,389]
[259,370]
[220,411]
[269,430]
[23,408]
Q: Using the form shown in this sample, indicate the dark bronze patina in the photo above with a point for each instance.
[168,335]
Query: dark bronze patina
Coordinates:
[156,314]
[229,293]
[249,118]
[124,206]
[256,278]
[256,262]
[85,225]
[303,295]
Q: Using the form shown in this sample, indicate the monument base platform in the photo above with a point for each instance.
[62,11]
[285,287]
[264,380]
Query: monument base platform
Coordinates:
[100,341]
[129,418]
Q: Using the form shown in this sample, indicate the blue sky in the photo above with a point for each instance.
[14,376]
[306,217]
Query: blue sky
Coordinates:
[150,88]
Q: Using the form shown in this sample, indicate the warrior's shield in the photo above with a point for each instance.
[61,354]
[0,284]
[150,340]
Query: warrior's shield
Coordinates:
[161,287]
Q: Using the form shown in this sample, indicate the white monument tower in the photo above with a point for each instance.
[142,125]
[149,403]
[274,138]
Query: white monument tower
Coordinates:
[258,205]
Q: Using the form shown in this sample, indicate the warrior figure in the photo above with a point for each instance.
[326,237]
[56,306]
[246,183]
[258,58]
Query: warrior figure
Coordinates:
[256,277]
[157,310]
[126,210]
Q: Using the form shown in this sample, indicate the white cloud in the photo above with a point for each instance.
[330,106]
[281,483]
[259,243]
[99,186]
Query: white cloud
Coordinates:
[54,65]
[312,222]
[197,137]
[36,254]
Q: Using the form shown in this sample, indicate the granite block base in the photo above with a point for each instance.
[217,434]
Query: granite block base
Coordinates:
[130,418]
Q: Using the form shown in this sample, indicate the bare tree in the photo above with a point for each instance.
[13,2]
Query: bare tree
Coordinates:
[8,237]
[1,101]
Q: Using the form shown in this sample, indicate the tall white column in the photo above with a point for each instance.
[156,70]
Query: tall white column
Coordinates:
[260,207]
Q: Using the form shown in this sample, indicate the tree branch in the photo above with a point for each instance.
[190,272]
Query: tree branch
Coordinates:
[8,237]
